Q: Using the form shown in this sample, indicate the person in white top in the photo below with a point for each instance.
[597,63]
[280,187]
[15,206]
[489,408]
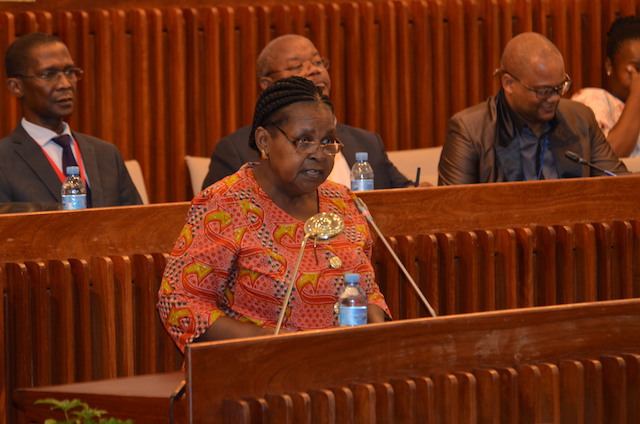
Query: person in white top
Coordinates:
[618,108]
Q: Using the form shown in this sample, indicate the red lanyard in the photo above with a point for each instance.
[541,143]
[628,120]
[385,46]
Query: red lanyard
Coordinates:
[78,159]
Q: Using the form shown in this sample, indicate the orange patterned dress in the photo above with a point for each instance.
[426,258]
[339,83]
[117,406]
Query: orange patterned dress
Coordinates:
[236,254]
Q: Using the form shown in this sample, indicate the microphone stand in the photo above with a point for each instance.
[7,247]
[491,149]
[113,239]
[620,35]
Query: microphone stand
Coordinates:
[581,161]
[290,288]
[364,210]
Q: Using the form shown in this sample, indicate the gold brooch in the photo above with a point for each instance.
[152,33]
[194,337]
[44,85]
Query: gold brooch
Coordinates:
[335,262]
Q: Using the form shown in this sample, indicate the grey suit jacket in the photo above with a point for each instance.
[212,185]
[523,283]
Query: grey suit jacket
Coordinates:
[27,176]
[470,153]
[233,151]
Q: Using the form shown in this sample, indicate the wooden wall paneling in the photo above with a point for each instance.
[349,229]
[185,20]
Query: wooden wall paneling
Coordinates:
[103,107]
[43,325]
[124,315]
[18,331]
[493,27]
[604,251]
[195,77]
[387,90]
[66,29]
[406,402]
[572,391]
[622,264]
[364,402]
[565,264]
[423,70]
[474,77]
[121,86]
[236,411]
[158,73]
[506,294]
[488,393]
[103,314]
[141,117]
[586,263]
[361,66]
[594,395]
[509,408]
[632,366]
[385,402]
[280,409]
[411,305]
[323,406]
[79,33]
[428,271]
[549,393]
[247,56]
[425,400]
[529,394]
[456,51]
[301,407]
[526,272]
[176,65]
[468,397]
[446,396]
[214,101]
[440,81]
[614,379]
[145,295]
[63,317]
[486,270]
[82,296]
[344,404]
[593,35]
[447,272]
[389,278]
[229,71]
[467,263]
[406,77]
[259,410]
[4,377]
[522,16]
[546,267]
[635,228]
[10,114]
[574,58]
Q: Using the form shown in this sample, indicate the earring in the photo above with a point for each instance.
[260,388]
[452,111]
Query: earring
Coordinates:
[608,73]
[264,154]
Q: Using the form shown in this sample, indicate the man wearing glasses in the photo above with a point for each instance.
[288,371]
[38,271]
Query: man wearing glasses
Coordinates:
[34,157]
[295,55]
[523,132]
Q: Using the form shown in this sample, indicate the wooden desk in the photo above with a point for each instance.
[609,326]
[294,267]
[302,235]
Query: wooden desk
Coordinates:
[144,399]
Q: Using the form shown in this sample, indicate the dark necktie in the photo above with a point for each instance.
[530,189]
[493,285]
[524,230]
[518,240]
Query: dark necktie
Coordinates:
[68,159]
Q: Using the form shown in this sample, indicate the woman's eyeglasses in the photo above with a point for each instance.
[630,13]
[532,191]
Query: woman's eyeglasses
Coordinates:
[330,146]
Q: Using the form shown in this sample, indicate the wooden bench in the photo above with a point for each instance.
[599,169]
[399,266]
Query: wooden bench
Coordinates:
[80,305]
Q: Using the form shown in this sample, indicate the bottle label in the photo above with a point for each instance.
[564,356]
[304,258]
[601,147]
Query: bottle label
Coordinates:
[74,201]
[353,315]
[361,185]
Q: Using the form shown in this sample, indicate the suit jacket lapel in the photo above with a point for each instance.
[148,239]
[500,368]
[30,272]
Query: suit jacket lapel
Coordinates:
[31,152]
[561,140]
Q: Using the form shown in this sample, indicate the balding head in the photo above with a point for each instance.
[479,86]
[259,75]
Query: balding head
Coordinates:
[526,51]
[292,55]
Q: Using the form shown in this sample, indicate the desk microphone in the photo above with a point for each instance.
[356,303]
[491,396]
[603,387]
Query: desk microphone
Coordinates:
[574,157]
[364,210]
[321,226]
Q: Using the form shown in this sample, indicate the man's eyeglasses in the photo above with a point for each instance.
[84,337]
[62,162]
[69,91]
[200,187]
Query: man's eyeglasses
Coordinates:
[330,146]
[297,67]
[542,93]
[51,75]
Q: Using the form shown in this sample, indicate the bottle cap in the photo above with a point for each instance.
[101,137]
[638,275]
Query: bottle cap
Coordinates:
[352,278]
[362,156]
[73,170]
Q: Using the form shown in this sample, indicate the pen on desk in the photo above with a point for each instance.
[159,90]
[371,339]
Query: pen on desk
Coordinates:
[417,177]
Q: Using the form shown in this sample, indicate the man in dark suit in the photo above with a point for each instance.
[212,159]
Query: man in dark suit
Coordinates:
[287,56]
[42,75]
[523,132]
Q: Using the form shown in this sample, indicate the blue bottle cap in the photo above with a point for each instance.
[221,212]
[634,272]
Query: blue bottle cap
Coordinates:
[352,278]
[73,170]
[362,156]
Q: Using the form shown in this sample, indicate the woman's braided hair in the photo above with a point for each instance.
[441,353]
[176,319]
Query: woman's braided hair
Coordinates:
[280,94]
[622,29]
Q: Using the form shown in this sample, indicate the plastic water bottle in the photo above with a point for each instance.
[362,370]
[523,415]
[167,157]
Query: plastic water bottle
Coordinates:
[352,303]
[74,192]
[361,173]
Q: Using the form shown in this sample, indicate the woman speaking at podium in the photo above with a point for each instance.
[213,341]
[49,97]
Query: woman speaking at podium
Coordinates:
[232,264]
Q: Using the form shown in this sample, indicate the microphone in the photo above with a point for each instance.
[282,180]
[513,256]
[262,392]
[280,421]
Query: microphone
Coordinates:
[364,210]
[321,226]
[574,157]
